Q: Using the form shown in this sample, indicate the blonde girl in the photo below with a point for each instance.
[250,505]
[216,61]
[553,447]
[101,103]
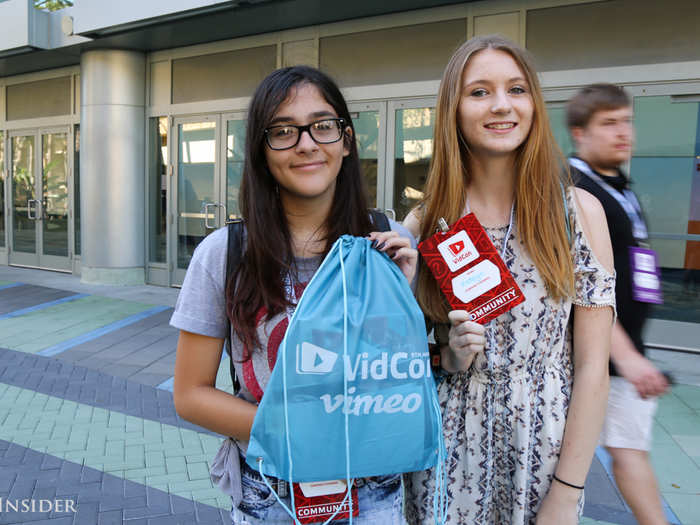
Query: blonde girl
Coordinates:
[522,406]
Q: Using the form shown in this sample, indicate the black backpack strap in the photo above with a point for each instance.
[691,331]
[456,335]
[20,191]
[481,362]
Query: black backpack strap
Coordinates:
[379,220]
[234,254]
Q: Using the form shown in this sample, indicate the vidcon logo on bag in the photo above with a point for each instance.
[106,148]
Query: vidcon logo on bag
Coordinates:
[458,251]
[312,359]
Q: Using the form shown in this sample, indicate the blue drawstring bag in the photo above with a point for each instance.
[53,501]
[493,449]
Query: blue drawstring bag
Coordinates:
[352,392]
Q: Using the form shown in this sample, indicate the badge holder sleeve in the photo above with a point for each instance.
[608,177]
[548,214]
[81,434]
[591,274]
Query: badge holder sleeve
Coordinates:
[470,272]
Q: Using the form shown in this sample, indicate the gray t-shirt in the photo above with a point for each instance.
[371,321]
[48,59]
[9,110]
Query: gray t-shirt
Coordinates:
[201,309]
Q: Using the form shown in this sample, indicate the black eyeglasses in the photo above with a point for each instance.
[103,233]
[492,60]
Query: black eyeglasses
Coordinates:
[324,131]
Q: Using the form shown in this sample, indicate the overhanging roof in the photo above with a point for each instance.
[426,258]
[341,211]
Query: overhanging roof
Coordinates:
[237,19]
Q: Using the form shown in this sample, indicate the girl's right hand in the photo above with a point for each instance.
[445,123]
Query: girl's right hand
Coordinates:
[399,250]
[466,339]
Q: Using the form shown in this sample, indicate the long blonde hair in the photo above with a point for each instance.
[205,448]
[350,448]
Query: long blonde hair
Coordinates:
[540,215]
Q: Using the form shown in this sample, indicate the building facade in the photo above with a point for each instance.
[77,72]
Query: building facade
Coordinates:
[122,124]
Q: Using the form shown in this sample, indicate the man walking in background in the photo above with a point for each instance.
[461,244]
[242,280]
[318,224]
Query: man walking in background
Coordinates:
[599,118]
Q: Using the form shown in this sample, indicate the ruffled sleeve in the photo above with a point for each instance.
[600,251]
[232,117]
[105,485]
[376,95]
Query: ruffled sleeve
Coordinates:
[595,286]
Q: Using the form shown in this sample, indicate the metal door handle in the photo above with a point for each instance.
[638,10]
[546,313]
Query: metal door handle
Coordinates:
[206,215]
[223,207]
[30,209]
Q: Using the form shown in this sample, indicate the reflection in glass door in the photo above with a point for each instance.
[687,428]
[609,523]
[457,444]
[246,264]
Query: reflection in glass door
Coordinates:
[2,189]
[412,151]
[208,154]
[196,198]
[24,201]
[40,205]
[235,156]
[54,193]
[368,119]
[665,174]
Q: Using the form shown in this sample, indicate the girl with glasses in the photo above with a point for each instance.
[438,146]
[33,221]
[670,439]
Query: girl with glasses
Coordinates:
[301,190]
[522,408]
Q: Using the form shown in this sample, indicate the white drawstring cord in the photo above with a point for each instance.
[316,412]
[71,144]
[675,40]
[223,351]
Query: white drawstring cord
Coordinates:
[440,498]
[345,377]
[348,495]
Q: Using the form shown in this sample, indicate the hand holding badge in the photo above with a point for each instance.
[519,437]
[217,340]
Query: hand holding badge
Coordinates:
[469,270]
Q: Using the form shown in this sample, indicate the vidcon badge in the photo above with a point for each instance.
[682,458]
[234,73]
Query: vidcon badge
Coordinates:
[470,271]
[320,500]
[646,282]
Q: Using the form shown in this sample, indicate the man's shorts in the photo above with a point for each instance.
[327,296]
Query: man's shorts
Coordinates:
[629,418]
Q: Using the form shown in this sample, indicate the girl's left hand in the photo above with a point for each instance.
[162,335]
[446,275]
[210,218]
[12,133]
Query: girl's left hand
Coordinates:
[398,249]
[559,506]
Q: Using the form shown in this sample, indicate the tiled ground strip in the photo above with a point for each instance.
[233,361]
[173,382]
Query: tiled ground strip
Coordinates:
[101,331]
[145,451]
[144,351]
[676,452]
[38,330]
[71,382]
[41,306]
[97,497]
[16,299]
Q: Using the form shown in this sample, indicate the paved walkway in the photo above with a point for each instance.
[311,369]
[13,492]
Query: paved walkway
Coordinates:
[87,418]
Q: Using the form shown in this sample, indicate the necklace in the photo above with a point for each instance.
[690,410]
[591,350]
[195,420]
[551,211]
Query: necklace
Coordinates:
[508,232]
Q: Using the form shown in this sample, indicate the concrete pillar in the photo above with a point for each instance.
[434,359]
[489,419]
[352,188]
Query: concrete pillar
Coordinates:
[112,160]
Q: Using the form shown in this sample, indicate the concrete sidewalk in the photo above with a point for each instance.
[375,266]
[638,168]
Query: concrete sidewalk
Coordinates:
[86,414]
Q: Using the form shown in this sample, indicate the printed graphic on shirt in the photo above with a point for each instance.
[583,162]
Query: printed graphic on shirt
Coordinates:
[256,370]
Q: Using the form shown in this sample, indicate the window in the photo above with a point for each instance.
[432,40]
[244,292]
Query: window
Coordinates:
[221,75]
[399,54]
[665,176]
[43,98]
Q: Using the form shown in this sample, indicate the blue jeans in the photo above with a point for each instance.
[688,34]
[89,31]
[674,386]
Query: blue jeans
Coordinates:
[380,502]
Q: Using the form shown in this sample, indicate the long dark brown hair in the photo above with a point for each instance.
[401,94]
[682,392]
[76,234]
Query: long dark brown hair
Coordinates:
[256,290]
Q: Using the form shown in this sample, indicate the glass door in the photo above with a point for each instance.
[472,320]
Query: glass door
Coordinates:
[665,174]
[409,151]
[233,144]
[54,201]
[40,180]
[369,120]
[3,178]
[198,208]
[24,202]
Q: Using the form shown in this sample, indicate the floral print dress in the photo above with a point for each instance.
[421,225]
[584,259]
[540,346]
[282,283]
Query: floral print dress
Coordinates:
[503,422]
